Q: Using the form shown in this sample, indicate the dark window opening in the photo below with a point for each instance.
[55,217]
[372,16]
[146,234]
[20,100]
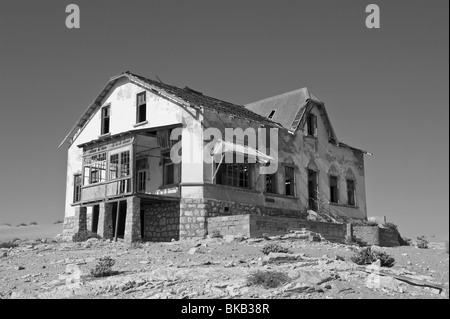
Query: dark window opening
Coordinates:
[95,216]
[351,194]
[271,184]
[141,178]
[334,194]
[168,169]
[312,190]
[289,181]
[77,183]
[105,120]
[271,115]
[119,217]
[311,122]
[141,108]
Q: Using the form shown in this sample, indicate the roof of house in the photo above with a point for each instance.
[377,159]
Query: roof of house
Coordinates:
[286,109]
[185,96]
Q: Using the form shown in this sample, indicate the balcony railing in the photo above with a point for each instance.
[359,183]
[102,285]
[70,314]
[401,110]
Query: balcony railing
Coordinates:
[99,191]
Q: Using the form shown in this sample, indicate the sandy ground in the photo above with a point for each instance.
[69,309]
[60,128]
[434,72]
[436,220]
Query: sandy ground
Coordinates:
[30,232]
[214,268]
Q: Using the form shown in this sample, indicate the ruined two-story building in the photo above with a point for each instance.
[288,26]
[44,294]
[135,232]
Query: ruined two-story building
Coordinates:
[122,181]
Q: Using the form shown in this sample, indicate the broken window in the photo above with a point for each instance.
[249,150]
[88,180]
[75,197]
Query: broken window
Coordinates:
[289,181]
[95,169]
[271,183]
[271,115]
[351,193]
[125,164]
[311,125]
[141,108]
[77,183]
[113,166]
[232,174]
[334,193]
[106,112]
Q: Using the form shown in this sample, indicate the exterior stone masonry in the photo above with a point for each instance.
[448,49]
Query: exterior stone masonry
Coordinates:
[374,235]
[105,224]
[68,228]
[162,221]
[79,222]
[133,220]
[193,215]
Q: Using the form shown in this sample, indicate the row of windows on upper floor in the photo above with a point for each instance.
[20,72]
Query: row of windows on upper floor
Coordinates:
[141,113]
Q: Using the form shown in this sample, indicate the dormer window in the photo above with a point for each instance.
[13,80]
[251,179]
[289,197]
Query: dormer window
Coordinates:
[106,112]
[141,108]
[271,115]
[311,123]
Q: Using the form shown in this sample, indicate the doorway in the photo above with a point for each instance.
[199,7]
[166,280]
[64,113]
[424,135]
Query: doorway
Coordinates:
[312,190]
[119,216]
[95,215]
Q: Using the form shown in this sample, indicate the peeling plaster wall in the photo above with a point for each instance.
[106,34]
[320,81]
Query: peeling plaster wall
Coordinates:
[295,151]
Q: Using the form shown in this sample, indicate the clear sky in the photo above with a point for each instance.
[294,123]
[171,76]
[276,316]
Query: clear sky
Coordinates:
[386,90]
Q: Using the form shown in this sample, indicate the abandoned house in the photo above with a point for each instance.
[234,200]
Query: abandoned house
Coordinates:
[122,183]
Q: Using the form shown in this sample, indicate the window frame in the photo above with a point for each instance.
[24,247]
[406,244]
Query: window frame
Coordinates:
[274,183]
[311,125]
[104,118]
[333,195]
[139,106]
[293,183]
[77,187]
[235,170]
[353,195]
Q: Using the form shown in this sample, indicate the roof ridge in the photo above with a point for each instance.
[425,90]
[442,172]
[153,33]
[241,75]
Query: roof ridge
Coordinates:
[281,95]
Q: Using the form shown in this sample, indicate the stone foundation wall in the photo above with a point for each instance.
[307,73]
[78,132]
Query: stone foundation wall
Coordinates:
[389,237]
[217,208]
[68,228]
[374,235]
[230,225]
[193,213]
[256,226]
[281,225]
[162,221]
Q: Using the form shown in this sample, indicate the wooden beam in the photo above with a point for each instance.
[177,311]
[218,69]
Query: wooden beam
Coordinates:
[117,221]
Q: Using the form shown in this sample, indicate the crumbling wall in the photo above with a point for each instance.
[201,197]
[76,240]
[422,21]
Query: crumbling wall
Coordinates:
[374,235]
[256,226]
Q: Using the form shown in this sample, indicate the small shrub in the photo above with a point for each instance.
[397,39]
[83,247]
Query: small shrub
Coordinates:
[22,225]
[84,235]
[216,234]
[58,222]
[267,279]
[338,257]
[422,243]
[368,256]
[390,226]
[275,248]
[8,244]
[33,224]
[104,268]
[446,246]
[404,241]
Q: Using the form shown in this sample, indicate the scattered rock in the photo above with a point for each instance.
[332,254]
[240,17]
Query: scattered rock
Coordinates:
[20,268]
[192,251]
[280,258]
[375,281]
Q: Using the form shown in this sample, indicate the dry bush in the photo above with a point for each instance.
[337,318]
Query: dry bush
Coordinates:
[8,244]
[275,248]
[422,243]
[391,226]
[267,279]
[104,268]
[84,235]
[367,256]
